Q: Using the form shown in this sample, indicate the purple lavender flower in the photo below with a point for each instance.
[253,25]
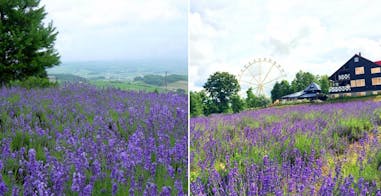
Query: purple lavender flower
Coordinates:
[290,149]
[165,191]
[85,136]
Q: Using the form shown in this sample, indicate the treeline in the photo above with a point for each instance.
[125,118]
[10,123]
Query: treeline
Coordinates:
[69,78]
[299,83]
[202,104]
[159,80]
[220,93]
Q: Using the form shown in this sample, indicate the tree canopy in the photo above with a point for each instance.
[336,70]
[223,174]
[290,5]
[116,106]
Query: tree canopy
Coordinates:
[253,101]
[196,107]
[238,104]
[324,83]
[221,86]
[280,89]
[299,83]
[26,43]
[302,80]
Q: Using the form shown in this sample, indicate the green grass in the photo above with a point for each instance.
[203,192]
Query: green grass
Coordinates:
[20,140]
[306,143]
[140,86]
[178,85]
[368,172]
[126,85]
[354,128]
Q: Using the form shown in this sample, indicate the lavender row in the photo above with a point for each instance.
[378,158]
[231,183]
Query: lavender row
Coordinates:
[80,140]
[320,149]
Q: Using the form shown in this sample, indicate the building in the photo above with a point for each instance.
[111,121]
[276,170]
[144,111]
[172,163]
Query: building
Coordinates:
[313,91]
[357,77]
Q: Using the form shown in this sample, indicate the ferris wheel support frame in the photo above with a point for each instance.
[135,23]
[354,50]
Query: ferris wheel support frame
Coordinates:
[257,82]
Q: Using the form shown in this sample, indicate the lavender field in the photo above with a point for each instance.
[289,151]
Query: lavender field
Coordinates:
[317,149]
[79,140]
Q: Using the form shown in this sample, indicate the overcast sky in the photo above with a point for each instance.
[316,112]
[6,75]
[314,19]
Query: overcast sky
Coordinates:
[119,29]
[314,36]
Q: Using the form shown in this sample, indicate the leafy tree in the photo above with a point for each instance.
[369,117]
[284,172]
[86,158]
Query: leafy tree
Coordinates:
[208,106]
[250,98]
[220,87]
[26,43]
[275,92]
[302,80]
[262,101]
[196,105]
[237,103]
[285,88]
[324,83]
[280,89]
[253,101]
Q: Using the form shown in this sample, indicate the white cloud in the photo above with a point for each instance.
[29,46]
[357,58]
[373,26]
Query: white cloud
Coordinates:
[318,36]
[99,12]
[118,28]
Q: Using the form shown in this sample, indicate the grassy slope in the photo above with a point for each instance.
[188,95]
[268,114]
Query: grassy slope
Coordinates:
[348,159]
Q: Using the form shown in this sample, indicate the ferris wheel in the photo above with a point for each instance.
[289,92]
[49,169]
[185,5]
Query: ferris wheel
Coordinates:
[260,74]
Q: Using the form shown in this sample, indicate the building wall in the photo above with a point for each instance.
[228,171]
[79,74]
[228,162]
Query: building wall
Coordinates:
[350,66]
[355,94]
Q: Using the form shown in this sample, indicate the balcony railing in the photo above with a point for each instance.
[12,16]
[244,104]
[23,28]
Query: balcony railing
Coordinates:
[337,89]
[344,77]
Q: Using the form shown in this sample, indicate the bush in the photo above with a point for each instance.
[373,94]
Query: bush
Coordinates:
[354,128]
[377,116]
[378,160]
[34,82]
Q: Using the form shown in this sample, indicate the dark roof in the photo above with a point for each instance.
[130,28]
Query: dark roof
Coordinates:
[293,95]
[313,87]
[351,59]
[308,95]
[309,92]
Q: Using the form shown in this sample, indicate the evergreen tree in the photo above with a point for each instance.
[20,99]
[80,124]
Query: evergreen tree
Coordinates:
[26,43]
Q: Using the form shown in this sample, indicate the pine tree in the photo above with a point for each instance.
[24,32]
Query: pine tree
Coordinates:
[26,43]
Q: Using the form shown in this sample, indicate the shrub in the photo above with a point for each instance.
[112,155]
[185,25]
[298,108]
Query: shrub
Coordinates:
[34,82]
[377,116]
[306,144]
[354,128]
[378,160]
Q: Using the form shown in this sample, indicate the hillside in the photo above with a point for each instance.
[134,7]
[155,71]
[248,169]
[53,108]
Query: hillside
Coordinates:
[308,149]
[61,78]
[82,140]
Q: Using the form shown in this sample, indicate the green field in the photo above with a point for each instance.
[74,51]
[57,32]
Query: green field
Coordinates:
[136,86]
